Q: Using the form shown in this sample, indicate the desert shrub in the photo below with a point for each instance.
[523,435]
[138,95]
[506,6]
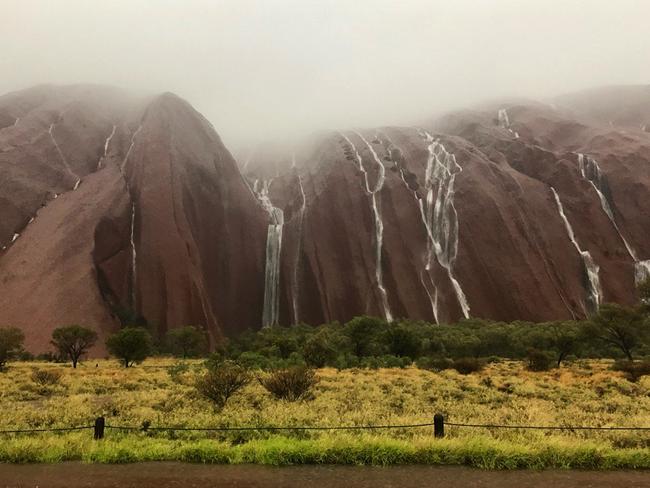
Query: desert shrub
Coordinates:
[294,383]
[385,361]
[46,377]
[253,360]
[434,363]
[633,370]
[177,371]
[537,360]
[221,382]
[468,365]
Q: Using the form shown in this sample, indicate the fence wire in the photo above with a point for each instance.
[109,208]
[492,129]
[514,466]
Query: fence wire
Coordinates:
[147,428]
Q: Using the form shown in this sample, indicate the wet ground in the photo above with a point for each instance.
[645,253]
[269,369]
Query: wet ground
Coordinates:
[176,475]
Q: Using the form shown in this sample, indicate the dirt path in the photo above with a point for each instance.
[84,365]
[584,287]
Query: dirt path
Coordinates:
[172,475]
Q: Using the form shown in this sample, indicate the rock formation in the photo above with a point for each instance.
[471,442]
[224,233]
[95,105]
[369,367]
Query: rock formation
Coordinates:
[115,209]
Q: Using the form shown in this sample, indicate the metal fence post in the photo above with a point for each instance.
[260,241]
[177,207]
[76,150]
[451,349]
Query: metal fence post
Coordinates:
[438,425]
[100,423]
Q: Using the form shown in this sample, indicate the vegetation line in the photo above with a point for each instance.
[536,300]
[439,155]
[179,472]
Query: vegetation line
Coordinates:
[58,429]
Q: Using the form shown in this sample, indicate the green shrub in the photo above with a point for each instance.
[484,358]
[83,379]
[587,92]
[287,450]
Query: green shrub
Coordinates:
[468,365]
[294,383]
[434,363]
[221,382]
[538,360]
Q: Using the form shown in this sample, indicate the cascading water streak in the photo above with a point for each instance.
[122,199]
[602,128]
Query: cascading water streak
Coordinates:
[128,152]
[295,289]
[379,224]
[134,257]
[271,310]
[440,213]
[591,172]
[425,277]
[594,289]
[63,159]
[106,143]
[504,122]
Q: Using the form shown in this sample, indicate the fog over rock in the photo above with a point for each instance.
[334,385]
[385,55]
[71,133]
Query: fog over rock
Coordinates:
[116,208]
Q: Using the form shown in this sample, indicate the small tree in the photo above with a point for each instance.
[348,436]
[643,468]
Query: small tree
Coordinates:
[11,344]
[320,350]
[363,333]
[564,339]
[73,341]
[403,341]
[130,345]
[186,341]
[619,326]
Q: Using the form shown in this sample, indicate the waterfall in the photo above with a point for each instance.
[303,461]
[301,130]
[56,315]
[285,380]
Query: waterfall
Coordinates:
[440,214]
[379,224]
[425,278]
[128,152]
[134,255]
[504,122]
[593,280]
[641,271]
[271,311]
[133,260]
[63,159]
[295,289]
[591,172]
[106,143]
[16,236]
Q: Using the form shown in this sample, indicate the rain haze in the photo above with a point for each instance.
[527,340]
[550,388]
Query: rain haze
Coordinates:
[261,70]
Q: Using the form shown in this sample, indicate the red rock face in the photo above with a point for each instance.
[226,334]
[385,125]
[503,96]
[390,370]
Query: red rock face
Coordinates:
[114,209]
[125,210]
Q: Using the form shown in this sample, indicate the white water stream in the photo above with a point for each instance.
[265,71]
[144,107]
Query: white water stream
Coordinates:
[271,310]
[594,290]
[504,122]
[379,224]
[591,172]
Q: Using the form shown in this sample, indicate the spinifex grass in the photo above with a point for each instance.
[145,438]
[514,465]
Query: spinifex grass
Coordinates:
[584,393]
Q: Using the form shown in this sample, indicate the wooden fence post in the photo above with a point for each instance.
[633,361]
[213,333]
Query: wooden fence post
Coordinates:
[438,425]
[100,423]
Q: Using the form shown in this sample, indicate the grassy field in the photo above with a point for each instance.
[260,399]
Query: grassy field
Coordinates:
[582,393]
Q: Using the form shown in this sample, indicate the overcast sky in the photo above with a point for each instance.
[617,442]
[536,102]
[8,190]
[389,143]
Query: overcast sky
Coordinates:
[264,69]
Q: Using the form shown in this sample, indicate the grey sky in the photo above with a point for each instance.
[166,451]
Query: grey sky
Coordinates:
[272,69]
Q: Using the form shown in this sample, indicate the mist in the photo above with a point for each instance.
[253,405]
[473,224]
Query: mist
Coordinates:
[263,69]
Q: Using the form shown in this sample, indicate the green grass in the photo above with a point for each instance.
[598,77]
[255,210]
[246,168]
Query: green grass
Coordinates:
[585,393]
[480,452]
